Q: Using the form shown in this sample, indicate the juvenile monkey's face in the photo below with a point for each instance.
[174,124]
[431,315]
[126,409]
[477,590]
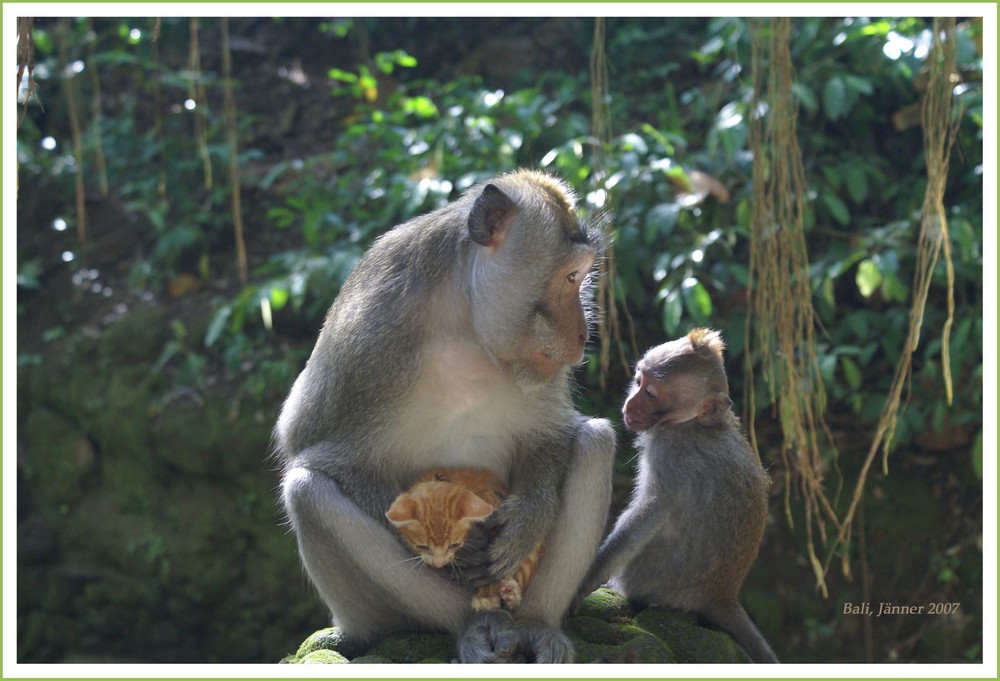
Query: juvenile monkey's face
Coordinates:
[666,401]
[643,405]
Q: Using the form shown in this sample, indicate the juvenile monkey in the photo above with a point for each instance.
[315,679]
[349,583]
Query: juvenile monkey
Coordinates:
[696,518]
[451,344]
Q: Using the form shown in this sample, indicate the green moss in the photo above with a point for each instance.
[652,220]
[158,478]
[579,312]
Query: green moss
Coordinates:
[136,336]
[323,657]
[689,641]
[324,639]
[371,659]
[410,648]
[607,605]
[599,641]
[59,460]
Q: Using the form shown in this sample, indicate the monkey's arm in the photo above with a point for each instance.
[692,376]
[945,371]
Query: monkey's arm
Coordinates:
[496,547]
[643,520]
[350,556]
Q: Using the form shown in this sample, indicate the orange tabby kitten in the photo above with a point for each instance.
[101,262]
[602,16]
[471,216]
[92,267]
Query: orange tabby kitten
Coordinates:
[434,517]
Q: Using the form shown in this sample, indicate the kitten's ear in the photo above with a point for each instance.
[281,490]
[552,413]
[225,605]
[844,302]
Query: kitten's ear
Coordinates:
[473,509]
[403,510]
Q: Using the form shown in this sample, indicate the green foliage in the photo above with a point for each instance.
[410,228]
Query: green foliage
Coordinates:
[406,142]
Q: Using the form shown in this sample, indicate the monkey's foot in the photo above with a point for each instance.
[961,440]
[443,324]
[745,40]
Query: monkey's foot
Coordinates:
[534,642]
[479,642]
[510,592]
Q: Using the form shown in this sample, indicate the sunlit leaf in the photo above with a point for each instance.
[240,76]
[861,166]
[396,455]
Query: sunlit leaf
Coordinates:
[868,277]
[279,297]
[697,299]
[672,311]
[343,76]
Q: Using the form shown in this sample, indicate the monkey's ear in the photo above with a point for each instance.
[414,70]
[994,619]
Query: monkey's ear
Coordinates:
[403,510]
[712,410]
[491,217]
[473,509]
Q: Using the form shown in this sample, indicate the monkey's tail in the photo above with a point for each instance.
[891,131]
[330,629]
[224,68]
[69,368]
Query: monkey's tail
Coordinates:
[734,619]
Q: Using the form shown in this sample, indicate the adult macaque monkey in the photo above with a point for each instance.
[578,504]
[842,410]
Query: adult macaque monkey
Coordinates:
[450,344]
[696,518]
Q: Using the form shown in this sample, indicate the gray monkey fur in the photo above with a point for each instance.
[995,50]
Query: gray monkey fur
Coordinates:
[419,364]
[693,526]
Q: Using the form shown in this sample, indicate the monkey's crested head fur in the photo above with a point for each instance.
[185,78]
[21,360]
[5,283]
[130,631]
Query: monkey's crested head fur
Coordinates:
[706,339]
[699,353]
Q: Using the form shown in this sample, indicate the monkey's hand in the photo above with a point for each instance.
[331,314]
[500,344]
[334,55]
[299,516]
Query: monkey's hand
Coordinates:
[473,559]
[519,526]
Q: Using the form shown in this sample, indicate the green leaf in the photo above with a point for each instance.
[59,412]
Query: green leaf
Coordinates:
[856,180]
[893,289]
[697,299]
[805,96]
[835,98]
[279,298]
[421,106]
[672,310]
[827,365]
[838,209]
[661,220]
[343,76]
[217,324]
[858,84]
[851,372]
[977,456]
[868,277]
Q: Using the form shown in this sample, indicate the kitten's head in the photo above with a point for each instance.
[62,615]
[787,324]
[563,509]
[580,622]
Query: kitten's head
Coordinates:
[435,517]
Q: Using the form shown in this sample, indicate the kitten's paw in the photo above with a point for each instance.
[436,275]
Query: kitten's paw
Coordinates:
[510,592]
[487,598]
[480,641]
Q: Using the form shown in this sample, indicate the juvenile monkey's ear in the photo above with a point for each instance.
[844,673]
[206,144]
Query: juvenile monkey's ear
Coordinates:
[712,410]
[491,217]
[473,509]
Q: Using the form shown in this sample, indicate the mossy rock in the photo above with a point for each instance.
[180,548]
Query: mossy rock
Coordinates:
[606,604]
[599,641]
[324,639]
[203,437]
[322,657]
[409,648]
[690,642]
[59,459]
[606,634]
[136,336]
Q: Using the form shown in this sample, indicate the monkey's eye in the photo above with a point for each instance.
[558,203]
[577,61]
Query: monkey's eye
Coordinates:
[573,277]
[455,546]
[422,547]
